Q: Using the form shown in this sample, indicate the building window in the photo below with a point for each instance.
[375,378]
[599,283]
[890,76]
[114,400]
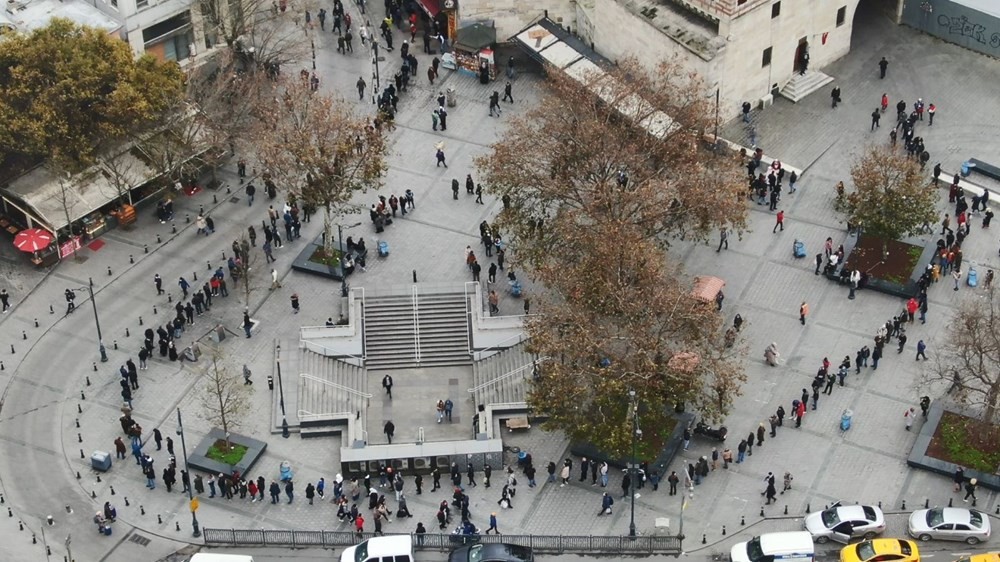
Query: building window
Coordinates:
[740,2]
[775,10]
[765,59]
[841,16]
[141,4]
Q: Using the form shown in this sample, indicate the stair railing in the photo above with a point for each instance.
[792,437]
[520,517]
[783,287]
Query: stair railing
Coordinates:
[508,375]
[416,325]
[335,385]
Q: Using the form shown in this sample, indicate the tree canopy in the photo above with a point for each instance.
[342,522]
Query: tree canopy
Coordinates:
[65,89]
[891,197]
[595,188]
[317,149]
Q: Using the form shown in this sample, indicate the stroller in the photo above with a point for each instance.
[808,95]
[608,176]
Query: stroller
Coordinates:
[286,471]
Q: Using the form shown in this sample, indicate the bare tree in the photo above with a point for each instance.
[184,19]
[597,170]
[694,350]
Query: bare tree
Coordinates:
[258,32]
[969,357]
[246,266]
[226,399]
[122,171]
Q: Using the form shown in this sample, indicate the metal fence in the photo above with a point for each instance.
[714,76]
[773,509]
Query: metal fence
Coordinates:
[648,544]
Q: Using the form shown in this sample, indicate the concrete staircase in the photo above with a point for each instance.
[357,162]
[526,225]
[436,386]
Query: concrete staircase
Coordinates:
[332,397]
[801,85]
[416,330]
[503,378]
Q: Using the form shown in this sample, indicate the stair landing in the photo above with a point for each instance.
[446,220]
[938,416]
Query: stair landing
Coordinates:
[801,85]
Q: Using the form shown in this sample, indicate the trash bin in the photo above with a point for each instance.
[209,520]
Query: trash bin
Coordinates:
[967,168]
[845,420]
[450,96]
[100,460]
[219,334]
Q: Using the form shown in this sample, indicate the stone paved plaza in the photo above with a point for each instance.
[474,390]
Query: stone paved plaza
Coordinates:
[43,378]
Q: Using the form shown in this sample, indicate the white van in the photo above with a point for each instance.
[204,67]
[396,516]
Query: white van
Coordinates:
[209,557]
[392,548]
[795,546]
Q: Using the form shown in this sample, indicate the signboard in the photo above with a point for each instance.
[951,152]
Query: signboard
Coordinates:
[70,246]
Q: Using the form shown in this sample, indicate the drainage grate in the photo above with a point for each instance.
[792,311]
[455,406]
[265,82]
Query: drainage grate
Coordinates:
[234,199]
[139,540]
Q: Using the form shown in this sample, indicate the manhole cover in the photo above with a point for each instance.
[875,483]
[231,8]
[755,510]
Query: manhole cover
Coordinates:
[139,539]
[234,199]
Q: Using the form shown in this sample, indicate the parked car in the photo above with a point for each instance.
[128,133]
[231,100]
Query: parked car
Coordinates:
[881,550]
[496,552]
[845,522]
[984,557]
[950,524]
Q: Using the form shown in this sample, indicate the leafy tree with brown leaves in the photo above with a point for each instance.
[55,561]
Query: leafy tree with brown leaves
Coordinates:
[582,159]
[968,358]
[321,152]
[892,198]
[614,318]
[65,89]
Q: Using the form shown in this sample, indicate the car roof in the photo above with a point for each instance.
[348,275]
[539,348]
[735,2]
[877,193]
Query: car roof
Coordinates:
[494,549]
[891,546]
[851,512]
[985,557]
[389,545]
[956,515]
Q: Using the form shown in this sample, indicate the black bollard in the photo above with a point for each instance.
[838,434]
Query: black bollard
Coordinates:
[154,306]
[762,511]
[12,349]
[115,343]
[949,501]
[95,366]
[209,264]
[808,508]
[173,228]
[20,525]
[973,501]
[927,503]
[414,275]
[50,520]
[723,530]
[215,199]
[880,504]
[223,255]
[704,539]
[187,218]
[145,248]
[127,334]
[10,513]
[82,456]
[131,259]
[126,501]
[2,501]
[79,438]
[195,275]
[78,475]
[98,477]
[158,239]
[904,505]
[742,521]
[140,320]
[51,310]
[177,525]
[2,368]
[112,490]
[109,271]
[169,299]
[93,495]
[48,549]
[82,396]
[142,510]
[24,335]
[36,322]
[33,539]
[786,509]
[159,519]
[77,422]
[79,409]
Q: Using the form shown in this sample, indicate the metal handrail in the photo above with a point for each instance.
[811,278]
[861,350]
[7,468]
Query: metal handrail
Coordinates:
[333,353]
[364,337]
[500,345]
[335,385]
[468,309]
[309,415]
[416,325]
[508,374]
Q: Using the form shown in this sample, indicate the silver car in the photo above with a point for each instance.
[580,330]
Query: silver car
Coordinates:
[949,524]
[845,522]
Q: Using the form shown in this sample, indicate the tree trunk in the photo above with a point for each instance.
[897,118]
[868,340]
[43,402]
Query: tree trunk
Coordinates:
[328,245]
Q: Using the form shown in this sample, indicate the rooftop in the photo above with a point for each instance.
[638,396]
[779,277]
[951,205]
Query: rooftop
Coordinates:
[29,15]
[694,31]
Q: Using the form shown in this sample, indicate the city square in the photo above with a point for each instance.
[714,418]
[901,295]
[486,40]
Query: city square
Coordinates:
[61,404]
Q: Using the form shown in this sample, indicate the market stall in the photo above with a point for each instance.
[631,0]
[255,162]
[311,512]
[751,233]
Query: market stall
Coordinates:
[473,50]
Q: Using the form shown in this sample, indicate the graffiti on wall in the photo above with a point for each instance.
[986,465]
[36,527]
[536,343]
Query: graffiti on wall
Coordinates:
[962,26]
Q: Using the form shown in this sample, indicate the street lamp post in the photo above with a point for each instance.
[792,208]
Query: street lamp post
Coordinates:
[375,71]
[194,517]
[636,432]
[343,273]
[97,321]
[281,396]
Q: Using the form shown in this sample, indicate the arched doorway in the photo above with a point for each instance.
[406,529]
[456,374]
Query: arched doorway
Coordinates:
[800,55]
[871,19]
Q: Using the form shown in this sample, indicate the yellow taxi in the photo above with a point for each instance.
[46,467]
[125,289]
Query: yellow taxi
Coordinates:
[881,550]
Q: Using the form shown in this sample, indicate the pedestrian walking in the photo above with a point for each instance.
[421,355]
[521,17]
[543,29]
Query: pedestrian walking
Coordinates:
[803,312]
[387,385]
[493,524]
[157,281]
[835,95]
[787,482]
[958,478]
[876,117]
[310,492]
[723,239]
[883,66]
[389,430]
[921,350]
[673,479]
[295,303]
[970,490]
[246,375]
[439,155]
[779,222]
[908,416]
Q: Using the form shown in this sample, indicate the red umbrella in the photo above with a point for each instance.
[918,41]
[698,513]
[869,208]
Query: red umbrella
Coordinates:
[32,239]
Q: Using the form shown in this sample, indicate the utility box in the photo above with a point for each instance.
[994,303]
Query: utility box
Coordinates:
[219,334]
[100,460]
[450,97]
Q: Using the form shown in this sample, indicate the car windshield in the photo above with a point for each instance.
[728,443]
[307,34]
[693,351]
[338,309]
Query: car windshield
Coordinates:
[361,552]
[865,550]
[476,553]
[754,551]
[976,519]
[934,517]
[830,518]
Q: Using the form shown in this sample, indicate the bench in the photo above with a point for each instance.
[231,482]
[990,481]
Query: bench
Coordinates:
[987,170]
[520,422]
